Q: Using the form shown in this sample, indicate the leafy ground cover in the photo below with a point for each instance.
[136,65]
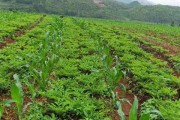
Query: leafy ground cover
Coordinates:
[144,70]
[65,68]
[13,24]
[160,40]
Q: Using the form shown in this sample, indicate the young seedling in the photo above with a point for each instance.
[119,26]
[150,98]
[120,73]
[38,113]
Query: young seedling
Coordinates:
[18,97]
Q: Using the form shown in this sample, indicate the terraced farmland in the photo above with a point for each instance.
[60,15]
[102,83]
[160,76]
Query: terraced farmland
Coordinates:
[65,68]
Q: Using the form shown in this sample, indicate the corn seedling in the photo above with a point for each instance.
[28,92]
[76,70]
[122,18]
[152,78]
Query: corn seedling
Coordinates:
[32,90]
[48,55]
[18,97]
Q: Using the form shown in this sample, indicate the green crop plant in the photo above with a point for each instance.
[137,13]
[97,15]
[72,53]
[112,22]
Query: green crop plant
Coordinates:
[133,114]
[48,55]
[42,75]
[32,89]
[113,74]
[18,97]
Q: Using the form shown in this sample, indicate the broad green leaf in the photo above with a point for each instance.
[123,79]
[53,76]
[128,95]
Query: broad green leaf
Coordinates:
[126,100]
[119,75]
[1,111]
[123,88]
[120,112]
[145,117]
[17,96]
[134,110]
[113,95]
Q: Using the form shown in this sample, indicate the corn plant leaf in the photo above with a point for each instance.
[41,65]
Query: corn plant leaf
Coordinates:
[8,103]
[120,112]
[119,75]
[17,94]
[1,111]
[123,88]
[113,95]
[126,100]
[134,110]
[16,77]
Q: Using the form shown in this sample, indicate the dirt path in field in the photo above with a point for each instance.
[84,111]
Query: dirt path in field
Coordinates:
[128,94]
[9,112]
[20,32]
[162,56]
[171,48]
[125,105]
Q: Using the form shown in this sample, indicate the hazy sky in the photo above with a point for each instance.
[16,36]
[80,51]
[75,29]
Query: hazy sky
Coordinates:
[167,2]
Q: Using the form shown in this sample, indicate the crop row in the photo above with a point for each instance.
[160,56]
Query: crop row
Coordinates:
[10,22]
[58,71]
[162,39]
[148,76]
[67,70]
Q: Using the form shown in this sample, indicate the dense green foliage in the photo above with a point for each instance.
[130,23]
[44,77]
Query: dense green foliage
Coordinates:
[87,8]
[68,68]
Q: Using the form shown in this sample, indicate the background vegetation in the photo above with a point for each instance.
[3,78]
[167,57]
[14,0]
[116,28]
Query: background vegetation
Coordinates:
[87,8]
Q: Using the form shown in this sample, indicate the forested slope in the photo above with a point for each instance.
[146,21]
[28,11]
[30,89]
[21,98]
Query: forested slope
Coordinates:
[87,8]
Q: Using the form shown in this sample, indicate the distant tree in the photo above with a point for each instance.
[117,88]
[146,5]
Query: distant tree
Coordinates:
[39,5]
[172,24]
[24,1]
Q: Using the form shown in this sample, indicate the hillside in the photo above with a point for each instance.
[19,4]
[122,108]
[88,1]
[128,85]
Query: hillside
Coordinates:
[110,9]
[143,2]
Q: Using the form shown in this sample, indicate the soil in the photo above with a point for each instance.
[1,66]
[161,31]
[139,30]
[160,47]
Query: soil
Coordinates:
[41,99]
[19,33]
[130,96]
[2,45]
[171,48]
[9,40]
[160,56]
[9,112]
[125,106]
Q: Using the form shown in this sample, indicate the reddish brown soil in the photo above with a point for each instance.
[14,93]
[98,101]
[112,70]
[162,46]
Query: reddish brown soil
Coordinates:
[36,23]
[160,56]
[9,112]
[115,116]
[2,45]
[171,48]
[41,99]
[125,106]
[19,33]
[9,40]
[130,96]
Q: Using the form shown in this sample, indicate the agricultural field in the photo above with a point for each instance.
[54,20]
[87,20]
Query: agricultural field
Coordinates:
[67,68]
